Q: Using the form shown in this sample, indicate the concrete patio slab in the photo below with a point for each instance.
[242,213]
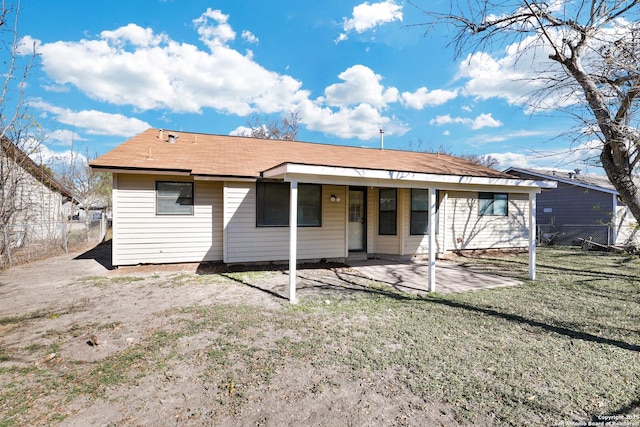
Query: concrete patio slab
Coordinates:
[413,277]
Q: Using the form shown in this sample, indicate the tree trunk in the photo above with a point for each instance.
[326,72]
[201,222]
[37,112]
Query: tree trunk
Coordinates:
[620,176]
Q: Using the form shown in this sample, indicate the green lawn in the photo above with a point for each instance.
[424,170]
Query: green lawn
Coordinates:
[565,348]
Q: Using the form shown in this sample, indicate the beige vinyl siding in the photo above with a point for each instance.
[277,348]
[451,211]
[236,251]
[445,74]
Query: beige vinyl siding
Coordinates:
[468,230]
[244,242]
[144,237]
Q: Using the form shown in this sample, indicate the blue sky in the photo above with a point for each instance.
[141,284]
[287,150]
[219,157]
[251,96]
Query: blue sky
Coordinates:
[108,70]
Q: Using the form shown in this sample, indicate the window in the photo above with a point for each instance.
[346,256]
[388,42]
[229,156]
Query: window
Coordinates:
[419,212]
[272,204]
[494,204]
[272,207]
[174,198]
[309,205]
[387,217]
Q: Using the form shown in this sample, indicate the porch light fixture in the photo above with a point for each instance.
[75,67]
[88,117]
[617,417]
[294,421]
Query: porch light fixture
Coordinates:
[334,198]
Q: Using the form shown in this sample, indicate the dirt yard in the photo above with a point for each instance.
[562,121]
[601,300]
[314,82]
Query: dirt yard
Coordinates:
[82,344]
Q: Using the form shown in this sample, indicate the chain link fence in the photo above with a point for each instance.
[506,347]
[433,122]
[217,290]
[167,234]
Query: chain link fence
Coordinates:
[20,243]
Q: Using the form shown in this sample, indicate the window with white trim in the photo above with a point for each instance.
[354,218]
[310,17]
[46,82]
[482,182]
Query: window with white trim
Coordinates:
[387,211]
[493,204]
[272,204]
[174,198]
[419,221]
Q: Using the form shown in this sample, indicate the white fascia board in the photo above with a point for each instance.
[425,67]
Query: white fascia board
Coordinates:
[388,178]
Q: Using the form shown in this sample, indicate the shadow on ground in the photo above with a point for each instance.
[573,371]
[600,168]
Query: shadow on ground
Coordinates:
[100,253]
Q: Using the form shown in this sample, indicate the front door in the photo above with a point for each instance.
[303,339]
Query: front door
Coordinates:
[357,219]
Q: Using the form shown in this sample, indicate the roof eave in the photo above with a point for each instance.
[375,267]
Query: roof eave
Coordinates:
[566,181]
[337,175]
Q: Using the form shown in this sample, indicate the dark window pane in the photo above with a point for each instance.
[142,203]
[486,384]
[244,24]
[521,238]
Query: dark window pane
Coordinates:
[174,198]
[387,218]
[419,222]
[272,207]
[309,205]
[419,200]
[272,204]
[495,204]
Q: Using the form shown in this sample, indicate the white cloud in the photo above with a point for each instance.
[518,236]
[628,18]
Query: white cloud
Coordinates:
[342,37]
[485,120]
[422,97]
[482,121]
[133,66]
[134,35]
[249,37]
[367,16]
[241,131]
[59,161]
[94,122]
[63,137]
[361,121]
[213,28]
[361,85]
[26,45]
[580,156]
[137,67]
[524,69]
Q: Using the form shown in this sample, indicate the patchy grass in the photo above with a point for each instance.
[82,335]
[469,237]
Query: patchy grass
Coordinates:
[565,348]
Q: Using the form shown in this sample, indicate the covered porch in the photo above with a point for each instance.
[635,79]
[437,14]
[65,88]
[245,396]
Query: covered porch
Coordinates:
[420,276]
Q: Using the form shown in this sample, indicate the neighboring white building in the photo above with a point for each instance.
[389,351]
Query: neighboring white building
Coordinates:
[31,197]
[186,197]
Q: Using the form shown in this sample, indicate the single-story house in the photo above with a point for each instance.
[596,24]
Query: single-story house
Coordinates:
[31,197]
[189,197]
[582,206]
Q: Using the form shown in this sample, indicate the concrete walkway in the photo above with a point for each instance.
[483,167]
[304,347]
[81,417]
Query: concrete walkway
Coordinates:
[413,277]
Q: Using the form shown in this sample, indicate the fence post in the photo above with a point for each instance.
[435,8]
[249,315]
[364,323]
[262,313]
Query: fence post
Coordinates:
[7,244]
[103,226]
[65,237]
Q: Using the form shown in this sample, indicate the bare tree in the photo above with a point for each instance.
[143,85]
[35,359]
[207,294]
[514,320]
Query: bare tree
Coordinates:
[91,189]
[593,73]
[19,136]
[284,128]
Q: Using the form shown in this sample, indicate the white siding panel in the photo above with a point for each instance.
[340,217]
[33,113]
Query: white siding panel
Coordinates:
[627,227]
[468,230]
[247,243]
[144,237]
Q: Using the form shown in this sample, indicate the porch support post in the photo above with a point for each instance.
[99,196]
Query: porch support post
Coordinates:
[293,240]
[432,239]
[532,236]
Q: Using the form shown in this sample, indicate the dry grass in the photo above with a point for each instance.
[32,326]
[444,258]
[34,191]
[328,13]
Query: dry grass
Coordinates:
[563,349]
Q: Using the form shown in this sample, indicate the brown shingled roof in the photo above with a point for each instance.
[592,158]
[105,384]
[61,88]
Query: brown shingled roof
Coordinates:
[233,156]
[37,171]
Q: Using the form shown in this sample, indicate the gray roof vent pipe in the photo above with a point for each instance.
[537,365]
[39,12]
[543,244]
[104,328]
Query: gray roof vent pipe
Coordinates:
[160,134]
[172,138]
[382,139]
